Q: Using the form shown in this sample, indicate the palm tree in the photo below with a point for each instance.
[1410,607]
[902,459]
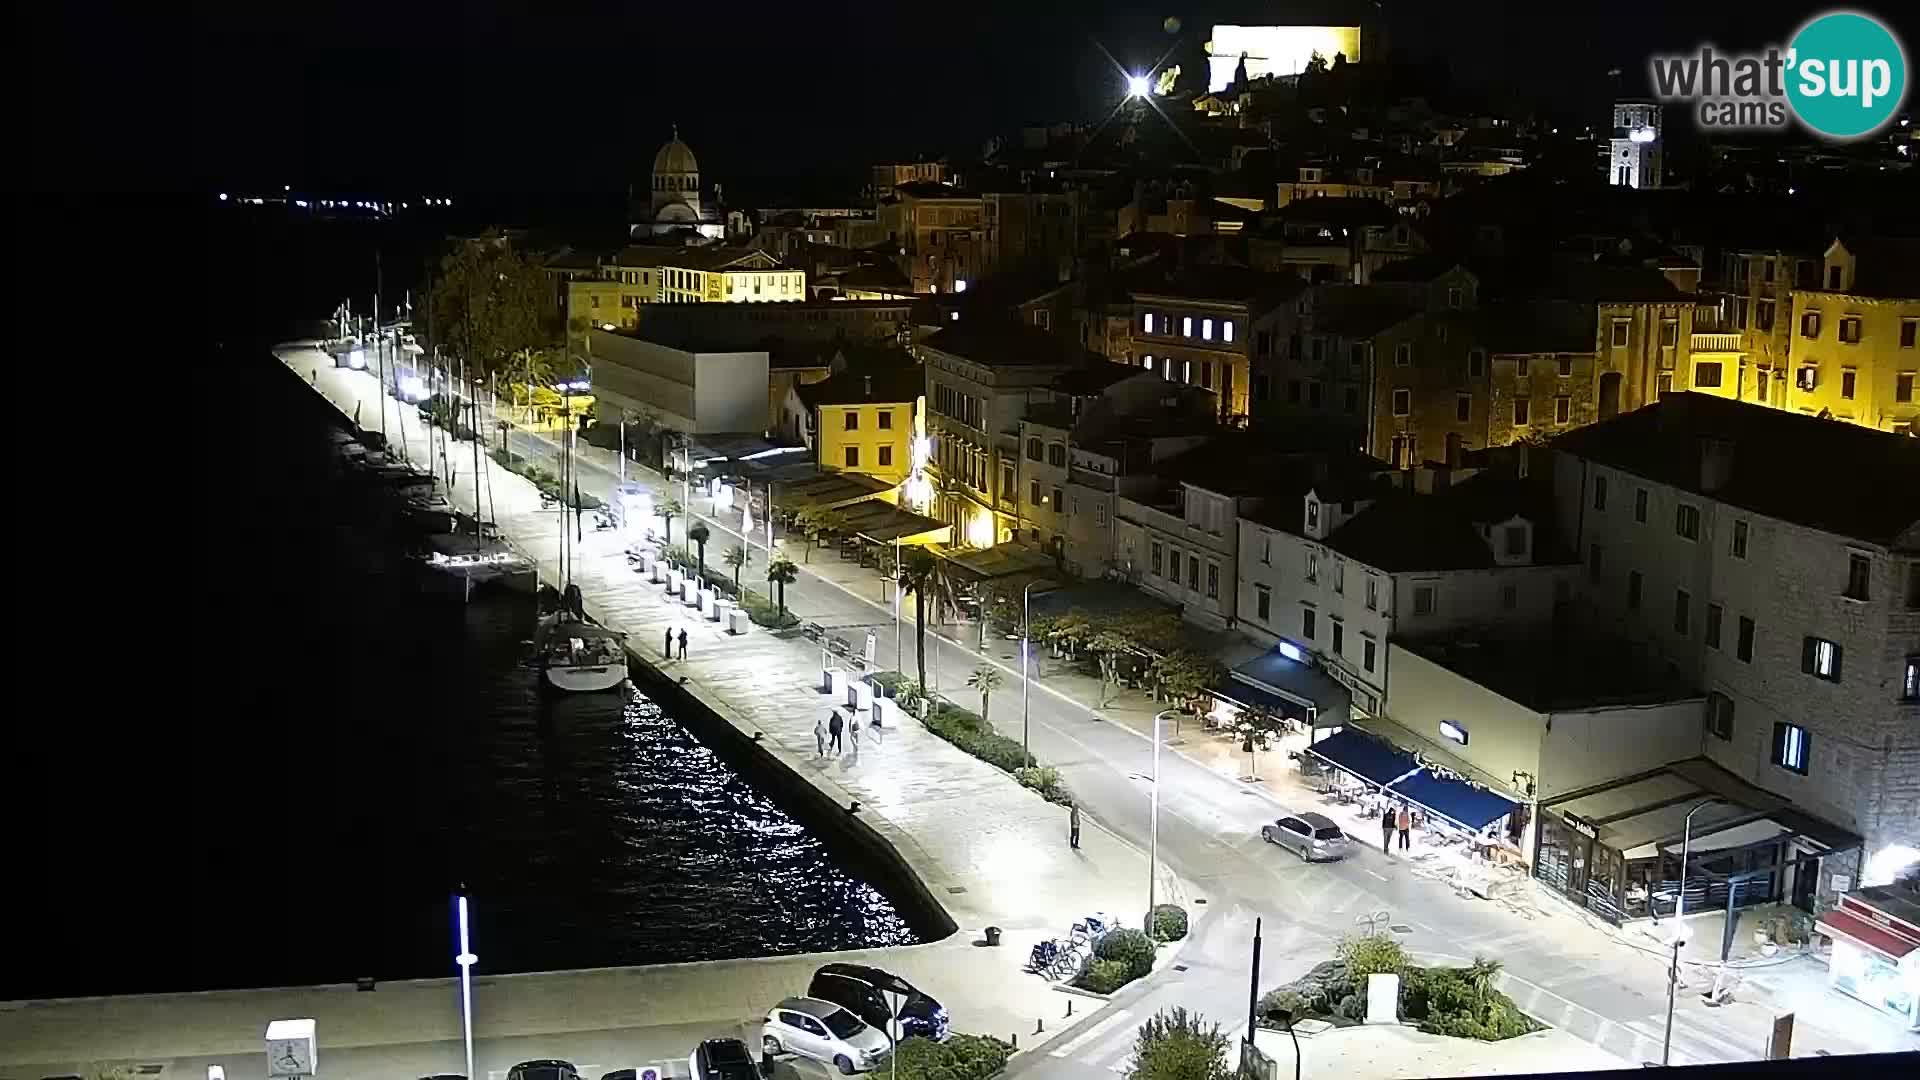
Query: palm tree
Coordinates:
[669,508]
[699,534]
[735,557]
[925,575]
[782,573]
[986,680]
[1481,975]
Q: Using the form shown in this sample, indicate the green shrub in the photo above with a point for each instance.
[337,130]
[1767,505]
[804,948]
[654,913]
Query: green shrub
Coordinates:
[1177,1045]
[1169,922]
[1367,954]
[1045,779]
[968,732]
[1282,1000]
[1352,1006]
[1105,976]
[1129,946]
[764,613]
[961,1057]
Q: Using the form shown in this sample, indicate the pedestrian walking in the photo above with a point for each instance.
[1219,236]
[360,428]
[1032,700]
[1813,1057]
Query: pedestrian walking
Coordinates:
[820,737]
[1073,826]
[833,732]
[853,734]
[669,645]
[1405,824]
[683,643]
[1386,829]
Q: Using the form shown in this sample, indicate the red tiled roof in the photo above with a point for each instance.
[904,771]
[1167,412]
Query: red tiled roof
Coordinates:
[1858,930]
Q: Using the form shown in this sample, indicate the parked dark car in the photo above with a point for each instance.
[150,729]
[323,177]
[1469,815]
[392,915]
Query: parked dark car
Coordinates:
[724,1059]
[857,988]
[544,1069]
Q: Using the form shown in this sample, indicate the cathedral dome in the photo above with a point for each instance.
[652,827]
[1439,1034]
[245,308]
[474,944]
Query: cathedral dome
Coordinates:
[675,157]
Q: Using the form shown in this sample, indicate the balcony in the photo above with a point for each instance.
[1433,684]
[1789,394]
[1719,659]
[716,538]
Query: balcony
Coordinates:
[1712,343]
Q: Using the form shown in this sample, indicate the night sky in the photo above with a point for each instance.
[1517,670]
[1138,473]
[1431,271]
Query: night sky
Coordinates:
[574,95]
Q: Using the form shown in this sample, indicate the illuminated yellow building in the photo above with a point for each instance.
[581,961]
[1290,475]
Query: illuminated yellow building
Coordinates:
[1856,338]
[866,421]
[1275,50]
[643,274]
[609,303]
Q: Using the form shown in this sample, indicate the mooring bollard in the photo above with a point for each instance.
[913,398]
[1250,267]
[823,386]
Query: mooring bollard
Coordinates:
[1016,1040]
[1039,1025]
[1069,1006]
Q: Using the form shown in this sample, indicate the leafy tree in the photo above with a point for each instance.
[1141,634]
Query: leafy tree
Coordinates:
[925,575]
[669,508]
[1370,954]
[1482,974]
[986,680]
[529,374]
[699,535]
[488,301]
[735,557]
[782,573]
[1185,676]
[1178,1045]
[1109,646]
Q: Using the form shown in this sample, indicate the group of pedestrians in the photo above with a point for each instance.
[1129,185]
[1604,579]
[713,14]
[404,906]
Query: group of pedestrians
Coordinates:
[670,641]
[828,730]
[1395,818]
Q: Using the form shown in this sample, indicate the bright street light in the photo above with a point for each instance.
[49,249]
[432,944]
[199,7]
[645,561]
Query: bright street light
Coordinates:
[1153,828]
[1138,86]
[466,960]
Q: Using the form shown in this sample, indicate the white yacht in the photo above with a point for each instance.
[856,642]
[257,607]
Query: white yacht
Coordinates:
[457,563]
[578,656]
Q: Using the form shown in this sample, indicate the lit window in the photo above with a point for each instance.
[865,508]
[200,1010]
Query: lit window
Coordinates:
[1146,322]
[1792,747]
[1147,362]
[1226,331]
[1206,329]
[1186,325]
[1820,658]
[1402,402]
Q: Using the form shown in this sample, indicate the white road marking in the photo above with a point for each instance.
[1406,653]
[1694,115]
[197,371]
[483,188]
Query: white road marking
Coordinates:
[1091,1034]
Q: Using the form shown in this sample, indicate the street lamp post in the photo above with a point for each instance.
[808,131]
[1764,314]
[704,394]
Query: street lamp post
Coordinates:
[466,960]
[1679,927]
[1026,680]
[1153,828]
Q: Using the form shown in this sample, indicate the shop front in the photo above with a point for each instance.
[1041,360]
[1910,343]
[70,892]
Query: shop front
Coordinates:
[1301,694]
[1615,849]
[1371,774]
[1876,950]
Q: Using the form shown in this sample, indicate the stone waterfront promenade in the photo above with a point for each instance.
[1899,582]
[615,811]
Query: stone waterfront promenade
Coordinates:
[988,851]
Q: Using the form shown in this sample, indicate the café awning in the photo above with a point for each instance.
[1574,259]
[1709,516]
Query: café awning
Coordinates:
[1460,802]
[1364,756]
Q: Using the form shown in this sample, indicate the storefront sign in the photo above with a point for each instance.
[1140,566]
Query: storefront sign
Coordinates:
[1584,828]
[1842,882]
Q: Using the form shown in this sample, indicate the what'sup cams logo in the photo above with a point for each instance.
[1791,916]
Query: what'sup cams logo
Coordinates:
[1843,76]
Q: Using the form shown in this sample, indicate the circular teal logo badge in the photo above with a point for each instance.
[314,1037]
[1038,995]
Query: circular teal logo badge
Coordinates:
[1847,75]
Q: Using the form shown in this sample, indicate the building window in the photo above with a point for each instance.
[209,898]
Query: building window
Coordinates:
[1807,377]
[1566,367]
[1520,407]
[1262,602]
[1640,505]
[1153,558]
[1686,521]
[1453,298]
[1713,625]
[1306,623]
[1099,513]
[1266,549]
[1792,746]
[853,457]
[1509,596]
[1910,680]
[1763,315]
[886,419]
[1035,451]
[1059,501]
[1850,329]
[1403,355]
[1226,330]
[1008,490]
[1739,539]
[1669,332]
[1594,563]
[1476,363]
[1206,329]
[1719,715]
[1206,374]
[1186,326]
[1682,612]
[1339,577]
[1515,538]
[1339,637]
[1033,492]
[1373,593]
[1423,599]
[1599,493]
[1562,409]
[886,456]
[1619,339]
[1634,581]
[1810,324]
[1820,658]
[1463,408]
[1903,387]
[1213,581]
[1706,373]
[1402,402]
[1193,572]
[1366,654]
[1909,330]
[1057,455]
[1743,645]
[1859,576]
[853,420]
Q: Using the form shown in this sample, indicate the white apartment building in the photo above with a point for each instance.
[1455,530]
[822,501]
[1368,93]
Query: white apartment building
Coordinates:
[1340,571]
[1774,559]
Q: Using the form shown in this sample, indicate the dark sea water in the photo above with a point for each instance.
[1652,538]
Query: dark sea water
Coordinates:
[318,755]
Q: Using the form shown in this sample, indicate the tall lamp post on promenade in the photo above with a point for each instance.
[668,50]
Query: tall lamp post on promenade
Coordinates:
[466,960]
[1153,828]
[1026,680]
[1679,927]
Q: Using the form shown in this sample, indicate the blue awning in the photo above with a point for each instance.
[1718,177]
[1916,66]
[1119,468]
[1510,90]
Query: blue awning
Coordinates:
[1456,800]
[1244,694]
[1364,756]
[1288,678]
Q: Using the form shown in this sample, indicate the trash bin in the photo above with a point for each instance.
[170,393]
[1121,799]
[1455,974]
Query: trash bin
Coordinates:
[993,935]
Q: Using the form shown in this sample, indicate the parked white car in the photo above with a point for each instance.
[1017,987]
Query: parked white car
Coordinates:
[825,1032]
